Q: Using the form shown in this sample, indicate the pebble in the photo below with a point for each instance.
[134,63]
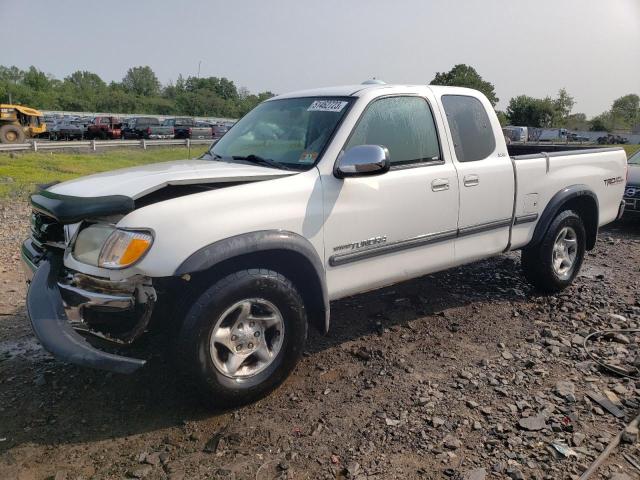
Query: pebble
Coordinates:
[532,424]
[451,442]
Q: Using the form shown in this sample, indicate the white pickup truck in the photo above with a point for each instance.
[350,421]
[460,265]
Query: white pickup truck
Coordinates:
[311,197]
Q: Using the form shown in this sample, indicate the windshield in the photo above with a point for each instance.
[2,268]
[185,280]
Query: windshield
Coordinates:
[635,158]
[289,133]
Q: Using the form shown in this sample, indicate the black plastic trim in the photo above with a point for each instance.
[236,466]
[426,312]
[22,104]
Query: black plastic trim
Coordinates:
[531,217]
[255,242]
[68,209]
[484,227]
[554,206]
[419,241]
[51,327]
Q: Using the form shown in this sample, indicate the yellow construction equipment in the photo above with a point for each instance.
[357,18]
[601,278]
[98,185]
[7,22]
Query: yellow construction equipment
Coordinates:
[18,122]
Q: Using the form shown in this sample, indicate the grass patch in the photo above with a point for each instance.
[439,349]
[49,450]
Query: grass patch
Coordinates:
[630,149]
[21,172]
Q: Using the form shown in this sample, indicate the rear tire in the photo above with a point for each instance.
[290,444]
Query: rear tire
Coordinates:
[242,337]
[11,134]
[553,264]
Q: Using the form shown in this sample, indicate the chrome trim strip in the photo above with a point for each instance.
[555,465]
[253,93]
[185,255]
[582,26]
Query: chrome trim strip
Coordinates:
[531,217]
[483,227]
[419,241]
[426,163]
[341,259]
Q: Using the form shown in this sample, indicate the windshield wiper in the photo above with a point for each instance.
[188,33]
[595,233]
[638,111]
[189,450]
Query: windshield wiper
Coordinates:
[265,161]
[208,153]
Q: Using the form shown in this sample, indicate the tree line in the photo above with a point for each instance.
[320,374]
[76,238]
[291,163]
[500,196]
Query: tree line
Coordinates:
[140,91]
[547,112]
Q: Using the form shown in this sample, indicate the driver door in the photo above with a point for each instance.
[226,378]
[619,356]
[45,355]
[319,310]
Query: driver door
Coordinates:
[398,225]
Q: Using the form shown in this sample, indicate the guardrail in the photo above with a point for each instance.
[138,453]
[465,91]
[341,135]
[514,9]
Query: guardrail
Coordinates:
[94,145]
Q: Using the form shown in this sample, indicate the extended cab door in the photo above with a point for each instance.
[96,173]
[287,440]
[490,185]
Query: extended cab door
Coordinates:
[485,176]
[400,224]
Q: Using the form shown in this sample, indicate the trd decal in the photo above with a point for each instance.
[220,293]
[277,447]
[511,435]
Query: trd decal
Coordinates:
[613,181]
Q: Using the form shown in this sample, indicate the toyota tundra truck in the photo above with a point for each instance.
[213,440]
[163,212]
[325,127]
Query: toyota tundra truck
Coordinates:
[311,197]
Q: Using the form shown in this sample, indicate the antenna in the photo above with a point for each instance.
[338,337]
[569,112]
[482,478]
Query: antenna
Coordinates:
[373,81]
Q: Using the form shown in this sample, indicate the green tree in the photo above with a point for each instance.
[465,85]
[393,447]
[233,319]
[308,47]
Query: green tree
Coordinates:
[86,81]
[577,121]
[36,79]
[626,111]
[601,123]
[462,75]
[531,112]
[502,118]
[563,106]
[141,81]
[11,74]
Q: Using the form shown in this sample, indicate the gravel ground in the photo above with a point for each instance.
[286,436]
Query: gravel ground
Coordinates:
[466,374]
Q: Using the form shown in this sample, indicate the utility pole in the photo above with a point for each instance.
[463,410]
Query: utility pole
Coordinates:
[199,62]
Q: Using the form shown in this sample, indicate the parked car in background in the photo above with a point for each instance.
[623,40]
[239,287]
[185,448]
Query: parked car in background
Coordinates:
[612,140]
[516,134]
[188,128]
[632,190]
[104,128]
[219,131]
[146,127]
[66,129]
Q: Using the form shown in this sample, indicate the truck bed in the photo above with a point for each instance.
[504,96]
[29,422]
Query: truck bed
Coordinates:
[541,175]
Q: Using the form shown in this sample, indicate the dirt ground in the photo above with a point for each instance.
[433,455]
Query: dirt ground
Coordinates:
[465,374]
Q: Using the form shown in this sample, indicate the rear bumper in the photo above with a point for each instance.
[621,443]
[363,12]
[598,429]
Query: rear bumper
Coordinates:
[50,323]
[155,136]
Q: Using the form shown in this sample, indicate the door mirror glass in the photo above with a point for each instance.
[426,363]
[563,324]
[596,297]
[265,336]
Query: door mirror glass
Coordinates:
[363,160]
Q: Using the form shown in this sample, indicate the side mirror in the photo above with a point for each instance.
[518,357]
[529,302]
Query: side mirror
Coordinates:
[363,160]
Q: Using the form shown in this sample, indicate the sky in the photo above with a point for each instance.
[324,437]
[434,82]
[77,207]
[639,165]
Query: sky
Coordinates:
[535,47]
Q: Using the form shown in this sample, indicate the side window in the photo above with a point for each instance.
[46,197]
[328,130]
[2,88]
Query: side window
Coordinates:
[473,137]
[404,125]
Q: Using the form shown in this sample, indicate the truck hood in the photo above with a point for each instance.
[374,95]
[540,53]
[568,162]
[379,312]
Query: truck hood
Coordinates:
[634,175]
[136,182]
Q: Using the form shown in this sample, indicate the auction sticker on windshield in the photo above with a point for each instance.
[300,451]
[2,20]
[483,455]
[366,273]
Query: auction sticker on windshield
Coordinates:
[327,106]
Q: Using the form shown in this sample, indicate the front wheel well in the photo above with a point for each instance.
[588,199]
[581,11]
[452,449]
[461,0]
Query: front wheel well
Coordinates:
[293,265]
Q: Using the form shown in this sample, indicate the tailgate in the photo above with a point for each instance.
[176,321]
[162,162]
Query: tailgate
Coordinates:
[201,133]
[161,130]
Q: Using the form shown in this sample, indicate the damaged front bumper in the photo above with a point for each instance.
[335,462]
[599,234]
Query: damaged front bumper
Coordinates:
[58,306]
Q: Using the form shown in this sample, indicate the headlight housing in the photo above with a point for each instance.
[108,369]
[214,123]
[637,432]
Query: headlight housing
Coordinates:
[106,246]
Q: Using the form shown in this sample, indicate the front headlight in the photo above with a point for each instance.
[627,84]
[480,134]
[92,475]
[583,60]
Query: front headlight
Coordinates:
[109,247]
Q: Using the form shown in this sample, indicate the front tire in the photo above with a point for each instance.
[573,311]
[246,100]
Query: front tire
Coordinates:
[553,264]
[11,134]
[242,337]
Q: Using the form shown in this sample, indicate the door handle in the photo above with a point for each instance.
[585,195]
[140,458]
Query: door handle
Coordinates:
[440,184]
[471,180]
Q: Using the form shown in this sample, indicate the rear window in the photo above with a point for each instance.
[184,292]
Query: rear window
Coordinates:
[470,127]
